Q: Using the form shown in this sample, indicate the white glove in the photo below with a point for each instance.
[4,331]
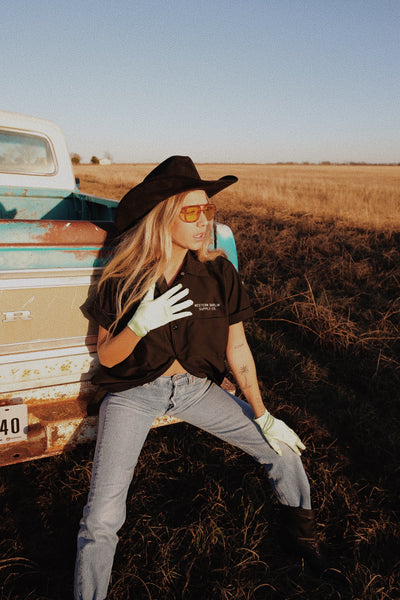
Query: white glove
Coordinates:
[275,430]
[151,313]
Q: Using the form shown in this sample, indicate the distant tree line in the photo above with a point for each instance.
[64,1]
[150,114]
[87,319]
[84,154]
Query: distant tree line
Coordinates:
[76,159]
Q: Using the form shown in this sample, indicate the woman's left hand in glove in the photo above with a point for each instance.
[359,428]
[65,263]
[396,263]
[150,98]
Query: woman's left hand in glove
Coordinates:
[275,431]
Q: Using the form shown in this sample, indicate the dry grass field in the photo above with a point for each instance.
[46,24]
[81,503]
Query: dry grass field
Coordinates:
[319,251]
[367,196]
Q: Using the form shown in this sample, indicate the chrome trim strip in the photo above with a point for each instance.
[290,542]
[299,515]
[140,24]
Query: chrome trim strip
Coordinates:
[46,282]
[42,278]
[46,354]
[60,271]
[40,345]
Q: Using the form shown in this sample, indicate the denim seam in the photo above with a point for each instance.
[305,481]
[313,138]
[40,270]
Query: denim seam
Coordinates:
[99,456]
[90,497]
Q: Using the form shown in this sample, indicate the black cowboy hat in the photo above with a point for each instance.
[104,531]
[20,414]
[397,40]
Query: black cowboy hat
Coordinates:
[174,175]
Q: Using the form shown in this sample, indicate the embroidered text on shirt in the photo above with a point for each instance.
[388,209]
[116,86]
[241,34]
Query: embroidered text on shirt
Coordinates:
[208,306]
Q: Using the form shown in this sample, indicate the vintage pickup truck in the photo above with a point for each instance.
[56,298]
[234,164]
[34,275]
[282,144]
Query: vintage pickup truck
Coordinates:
[54,242]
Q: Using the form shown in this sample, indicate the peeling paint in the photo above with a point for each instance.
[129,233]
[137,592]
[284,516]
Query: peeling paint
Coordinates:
[47,360]
[56,426]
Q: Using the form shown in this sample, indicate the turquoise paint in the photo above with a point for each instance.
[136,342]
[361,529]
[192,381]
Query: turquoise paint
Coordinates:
[51,257]
[28,231]
[226,241]
[37,204]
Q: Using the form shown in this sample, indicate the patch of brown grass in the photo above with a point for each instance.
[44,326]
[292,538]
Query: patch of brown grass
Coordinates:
[201,521]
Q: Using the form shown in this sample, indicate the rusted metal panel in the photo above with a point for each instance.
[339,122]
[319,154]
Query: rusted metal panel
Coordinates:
[57,421]
[47,358]
[53,233]
[54,241]
[41,369]
[48,244]
[48,269]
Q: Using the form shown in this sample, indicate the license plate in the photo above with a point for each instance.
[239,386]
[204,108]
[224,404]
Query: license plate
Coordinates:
[13,423]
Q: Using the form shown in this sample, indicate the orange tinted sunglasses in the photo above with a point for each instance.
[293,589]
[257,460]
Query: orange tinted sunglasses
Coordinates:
[191,214]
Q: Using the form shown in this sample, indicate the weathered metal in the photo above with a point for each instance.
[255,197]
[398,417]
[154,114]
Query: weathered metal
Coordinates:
[57,420]
[54,244]
[47,347]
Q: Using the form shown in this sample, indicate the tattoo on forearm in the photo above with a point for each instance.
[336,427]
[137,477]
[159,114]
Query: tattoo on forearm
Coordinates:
[243,370]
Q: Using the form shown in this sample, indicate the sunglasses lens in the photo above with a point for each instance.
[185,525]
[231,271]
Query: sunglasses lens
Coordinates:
[192,213]
[209,211]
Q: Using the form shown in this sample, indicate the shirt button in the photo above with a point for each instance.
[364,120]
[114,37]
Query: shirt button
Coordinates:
[182,273]
[175,327]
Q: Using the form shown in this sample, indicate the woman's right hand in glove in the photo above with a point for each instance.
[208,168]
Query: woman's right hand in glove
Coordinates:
[151,313]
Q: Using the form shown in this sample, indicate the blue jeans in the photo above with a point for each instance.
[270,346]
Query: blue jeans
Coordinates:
[125,420]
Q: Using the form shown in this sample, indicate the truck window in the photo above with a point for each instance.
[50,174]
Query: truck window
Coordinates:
[25,153]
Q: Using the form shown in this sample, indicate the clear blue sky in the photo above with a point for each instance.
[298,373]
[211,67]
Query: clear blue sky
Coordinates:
[220,80]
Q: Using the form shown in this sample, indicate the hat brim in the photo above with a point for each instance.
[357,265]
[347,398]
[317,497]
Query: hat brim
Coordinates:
[141,199]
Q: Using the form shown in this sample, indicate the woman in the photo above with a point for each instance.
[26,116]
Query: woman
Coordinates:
[170,312]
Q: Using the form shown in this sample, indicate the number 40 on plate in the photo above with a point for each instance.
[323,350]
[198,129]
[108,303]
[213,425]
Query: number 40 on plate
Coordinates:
[13,423]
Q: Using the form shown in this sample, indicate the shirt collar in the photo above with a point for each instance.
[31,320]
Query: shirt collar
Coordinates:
[193,266]
[190,265]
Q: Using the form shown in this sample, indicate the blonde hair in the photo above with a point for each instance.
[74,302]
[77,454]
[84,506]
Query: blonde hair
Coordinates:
[142,254]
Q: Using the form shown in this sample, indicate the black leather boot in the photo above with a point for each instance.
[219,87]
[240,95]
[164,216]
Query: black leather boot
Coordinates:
[299,538]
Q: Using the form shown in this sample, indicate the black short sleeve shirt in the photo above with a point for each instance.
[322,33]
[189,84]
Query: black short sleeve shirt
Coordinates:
[198,342]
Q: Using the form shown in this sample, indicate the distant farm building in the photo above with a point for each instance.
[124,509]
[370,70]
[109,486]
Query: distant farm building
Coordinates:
[105,161]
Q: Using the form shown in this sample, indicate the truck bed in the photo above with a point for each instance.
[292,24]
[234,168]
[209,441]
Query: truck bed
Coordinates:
[53,247]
